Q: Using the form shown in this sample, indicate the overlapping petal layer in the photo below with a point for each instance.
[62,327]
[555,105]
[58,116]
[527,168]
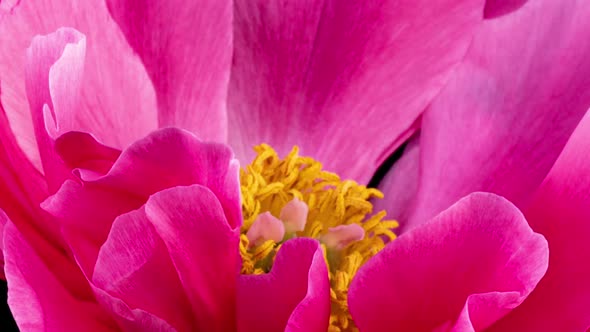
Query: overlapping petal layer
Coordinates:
[336,78]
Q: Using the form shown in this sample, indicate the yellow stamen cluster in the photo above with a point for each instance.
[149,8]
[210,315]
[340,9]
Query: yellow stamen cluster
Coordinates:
[269,183]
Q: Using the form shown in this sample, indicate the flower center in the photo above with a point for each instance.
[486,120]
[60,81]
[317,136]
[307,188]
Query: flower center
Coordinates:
[294,197]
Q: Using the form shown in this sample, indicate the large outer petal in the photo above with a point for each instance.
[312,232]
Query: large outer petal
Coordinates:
[294,296]
[38,301]
[464,270]
[344,80]
[117,101]
[561,212]
[186,47]
[504,117]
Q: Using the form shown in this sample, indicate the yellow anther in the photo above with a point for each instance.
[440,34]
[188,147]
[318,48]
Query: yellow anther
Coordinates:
[269,184]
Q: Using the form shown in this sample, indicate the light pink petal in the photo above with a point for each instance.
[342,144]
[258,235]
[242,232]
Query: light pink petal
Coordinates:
[400,184]
[186,47]
[495,8]
[345,81]
[166,158]
[53,72]
[117,101]
[561,212]
[204,249]
[503,119]
[38,301]
[293,296]
[464,269]
[134,268]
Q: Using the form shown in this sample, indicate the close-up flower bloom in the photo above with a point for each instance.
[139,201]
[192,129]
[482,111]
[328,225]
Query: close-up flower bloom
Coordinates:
[297,165]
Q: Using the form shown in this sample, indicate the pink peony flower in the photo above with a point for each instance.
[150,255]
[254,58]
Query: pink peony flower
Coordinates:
[125,210]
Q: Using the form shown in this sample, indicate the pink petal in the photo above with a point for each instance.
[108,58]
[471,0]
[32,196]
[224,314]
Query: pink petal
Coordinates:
[53,72]
[345,81]
[83,151]
[33,291]
[131,268]
[294,296]
[166,158]
[495,8]
[203,246]
[22,187]
[504,117]
[561,212]
[186,47]
[464,269]
[117,101]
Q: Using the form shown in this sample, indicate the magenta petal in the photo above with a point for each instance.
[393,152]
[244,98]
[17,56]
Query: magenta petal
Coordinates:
[204,249]
[22,186]
[294,296]
[166,158]
[466,268]
[304,73]
[83,151]
[186,47]
[33,291]
[499,125]
[131,268]
[561,212]
[116,102]
[495,8]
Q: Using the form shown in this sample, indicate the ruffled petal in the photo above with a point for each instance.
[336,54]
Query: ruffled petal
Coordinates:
[293,296]
[186,47]
[117,102]
[130,270]
[33,290]
[53,73]
[83,152]
[345,81]
[505,116]
[464,269]
[561,212]
[203,247]
[166,158]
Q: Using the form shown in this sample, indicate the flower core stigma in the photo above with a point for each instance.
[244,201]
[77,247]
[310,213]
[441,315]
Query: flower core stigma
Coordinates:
[297,198]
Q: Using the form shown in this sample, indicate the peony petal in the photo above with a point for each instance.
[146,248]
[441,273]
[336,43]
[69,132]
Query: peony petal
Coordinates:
[166,158]
[83,151]
[22,187]
[495,8]
[561,212]
[464,269]
[186,49]
[345,81]
[500,124]
[131,268]
[47,69]
[294,296]
[117,101]
[203,247]
[33,290]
